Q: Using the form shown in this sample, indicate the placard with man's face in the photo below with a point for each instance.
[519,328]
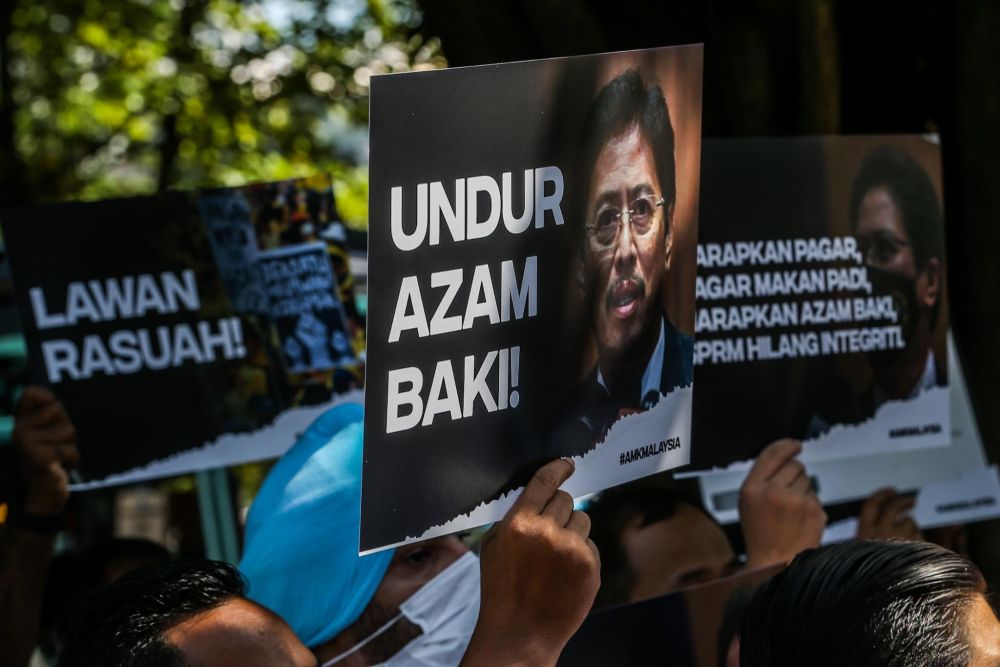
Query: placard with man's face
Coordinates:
[532,234]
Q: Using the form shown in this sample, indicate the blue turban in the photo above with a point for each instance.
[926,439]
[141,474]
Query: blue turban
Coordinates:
[300,554]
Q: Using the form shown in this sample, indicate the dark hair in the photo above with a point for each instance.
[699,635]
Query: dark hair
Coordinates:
[613,510]
[125,623]
[863,604]
[912,191]
[625,100]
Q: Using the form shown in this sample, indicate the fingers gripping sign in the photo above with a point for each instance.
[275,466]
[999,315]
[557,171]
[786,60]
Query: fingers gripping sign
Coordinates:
[46,443]
[540,574]
[779,511]
[886,515]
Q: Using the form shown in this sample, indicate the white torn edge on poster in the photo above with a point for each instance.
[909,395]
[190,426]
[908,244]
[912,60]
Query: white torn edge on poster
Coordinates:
[602,467]
[897,426]
[972,496]
[269,442]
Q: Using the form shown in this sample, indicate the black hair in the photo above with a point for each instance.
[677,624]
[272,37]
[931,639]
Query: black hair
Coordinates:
[863,604]
[624,101]
[609,515]
[913,193]
[125,623]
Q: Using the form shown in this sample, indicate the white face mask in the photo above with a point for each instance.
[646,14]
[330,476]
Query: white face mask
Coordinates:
[445,609]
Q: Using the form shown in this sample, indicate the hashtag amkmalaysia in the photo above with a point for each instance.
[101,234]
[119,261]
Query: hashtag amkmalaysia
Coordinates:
[646,451]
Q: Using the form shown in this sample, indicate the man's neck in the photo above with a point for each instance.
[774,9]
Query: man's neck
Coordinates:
[899,382]
[627,368]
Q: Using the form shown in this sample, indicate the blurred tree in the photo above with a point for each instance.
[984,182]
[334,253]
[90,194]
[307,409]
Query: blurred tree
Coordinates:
[106,98]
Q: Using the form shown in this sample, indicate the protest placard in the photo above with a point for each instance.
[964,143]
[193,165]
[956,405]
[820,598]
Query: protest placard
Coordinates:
[821,301]
[531,242]
[230,230]
[303,304]
[161,324]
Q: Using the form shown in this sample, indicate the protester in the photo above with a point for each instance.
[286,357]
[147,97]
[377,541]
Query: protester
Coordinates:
[872,604]
[75,577]
[46,448]
[652,542]
[539,578]
[181,613]
[418,602]
[301,559]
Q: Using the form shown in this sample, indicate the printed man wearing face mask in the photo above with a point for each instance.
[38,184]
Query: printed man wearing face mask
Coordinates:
[625,194]
[897,220]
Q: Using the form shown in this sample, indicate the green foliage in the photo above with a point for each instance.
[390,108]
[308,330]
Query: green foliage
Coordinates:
[122,97]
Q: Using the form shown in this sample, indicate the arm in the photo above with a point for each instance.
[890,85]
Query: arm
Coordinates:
[46,447]
[779,512]
[540,574]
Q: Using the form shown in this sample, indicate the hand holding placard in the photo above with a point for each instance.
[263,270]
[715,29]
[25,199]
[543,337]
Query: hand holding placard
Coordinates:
[540,574]
[885,516]
[779,511]
[46,444]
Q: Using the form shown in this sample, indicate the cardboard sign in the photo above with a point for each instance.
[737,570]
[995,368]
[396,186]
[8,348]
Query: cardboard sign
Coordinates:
[230,230]
[821,298]
[303,304]
[531,240]
[159,323]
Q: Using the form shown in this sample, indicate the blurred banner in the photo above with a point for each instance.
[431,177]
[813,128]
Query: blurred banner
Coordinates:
[532,243]
[821,298]
[303,304]
[187,330]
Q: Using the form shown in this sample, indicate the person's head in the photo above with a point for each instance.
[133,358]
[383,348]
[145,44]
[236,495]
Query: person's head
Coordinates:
[872,604]
[74,577]
[897,220]
[625,187]
[389,622]
[181,614]
[301,551]
[652,543]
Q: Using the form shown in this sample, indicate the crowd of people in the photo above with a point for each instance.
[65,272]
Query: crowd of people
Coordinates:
[301,595]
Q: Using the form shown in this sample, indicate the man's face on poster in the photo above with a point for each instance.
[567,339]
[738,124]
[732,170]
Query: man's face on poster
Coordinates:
[626,243]
[893,269]
[887,247]
[884,240]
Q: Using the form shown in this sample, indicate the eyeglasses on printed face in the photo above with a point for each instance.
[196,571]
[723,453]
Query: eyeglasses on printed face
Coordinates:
[607,222]
[880,247]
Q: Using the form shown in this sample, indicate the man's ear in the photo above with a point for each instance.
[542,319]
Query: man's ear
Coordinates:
[929,283]
[669,223]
